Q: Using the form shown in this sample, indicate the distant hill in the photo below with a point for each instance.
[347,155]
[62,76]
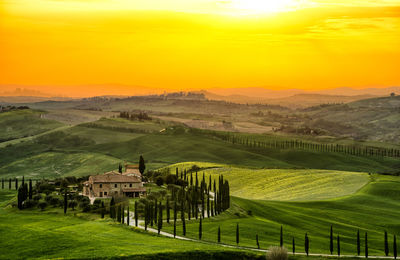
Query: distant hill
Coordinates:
[373,119]
[293,101]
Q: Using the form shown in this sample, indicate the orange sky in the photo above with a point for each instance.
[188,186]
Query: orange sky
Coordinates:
[197,44]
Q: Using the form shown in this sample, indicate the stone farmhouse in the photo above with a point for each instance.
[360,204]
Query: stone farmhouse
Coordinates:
[113,184]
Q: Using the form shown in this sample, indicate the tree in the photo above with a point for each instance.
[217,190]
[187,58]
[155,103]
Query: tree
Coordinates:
[386,244]
[167,208]
[142,165]
[394,247]
[281,237]
[122,214]
[112,208]
[9,184]
[237,233]
[366,245]
[200,229]
[30,189]
[174,227]
[127,216]
[331,241]
[2,183]
[136,214]
[358,242]
[293,246]
[160,218]
[219,234]
[258,244]
[119,213]
[16,183]
[20,197]
[120,168]
[102,209]
[306,244]
[65,202]
[338,245]
[155,211]
[183,227]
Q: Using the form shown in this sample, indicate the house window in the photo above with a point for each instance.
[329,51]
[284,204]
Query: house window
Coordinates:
[130,185]
[101,185]
[105,193]
[115,185]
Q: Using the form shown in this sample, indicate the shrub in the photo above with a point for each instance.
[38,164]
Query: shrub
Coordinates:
[30,203]
[277,253]
[37,197]
[159,181]
[42,205]
[54,201]
[72,204]
[48,198]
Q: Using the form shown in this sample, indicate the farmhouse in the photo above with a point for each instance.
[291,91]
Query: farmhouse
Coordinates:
[114,184]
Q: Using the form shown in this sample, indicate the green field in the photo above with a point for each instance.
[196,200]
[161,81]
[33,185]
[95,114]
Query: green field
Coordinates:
[47,235]
[282,184]
[373,209]
[23,123]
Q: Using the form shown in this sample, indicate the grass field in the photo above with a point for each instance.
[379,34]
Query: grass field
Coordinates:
[373,209]
[22,123]
[282,184]
[59,164]
[161,149]
[47,235]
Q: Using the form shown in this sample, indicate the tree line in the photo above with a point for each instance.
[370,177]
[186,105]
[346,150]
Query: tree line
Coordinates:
[358,150]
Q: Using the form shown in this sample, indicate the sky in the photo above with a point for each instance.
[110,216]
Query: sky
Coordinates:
[94,47]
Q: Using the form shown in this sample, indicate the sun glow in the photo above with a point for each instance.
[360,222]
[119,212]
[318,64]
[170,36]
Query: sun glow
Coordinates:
[265,6]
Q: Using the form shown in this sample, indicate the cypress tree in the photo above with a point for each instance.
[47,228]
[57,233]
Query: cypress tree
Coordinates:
[30,189]
[102,209]
[386,244]
[331,241]
[338,245]
[120,168]
[146,215]
[160,220]
[20,197]
[366,245]
[175,213]
[258,244]
[174,227]
[208,206]
[306,244]
[9,184]
[16,183]
[237,233]
[122,214]
[219,234]
[2,183]
[358,242]
[183,227]
[119,213]
[155,211]
[394,247]
[23,180]
[112,208]
[200,229]
[127,216]
[293,246]
[136,214]
[167,208]
[65,202]
[142,165]
[281,237]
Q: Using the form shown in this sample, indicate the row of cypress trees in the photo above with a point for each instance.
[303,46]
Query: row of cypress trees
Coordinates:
[299,144]
[25,191]
[15,182]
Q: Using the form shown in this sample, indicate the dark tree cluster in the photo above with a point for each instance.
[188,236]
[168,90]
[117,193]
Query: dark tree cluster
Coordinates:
[141,116]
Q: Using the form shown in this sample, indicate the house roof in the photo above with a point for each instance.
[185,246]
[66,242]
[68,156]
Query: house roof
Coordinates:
[113,177]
